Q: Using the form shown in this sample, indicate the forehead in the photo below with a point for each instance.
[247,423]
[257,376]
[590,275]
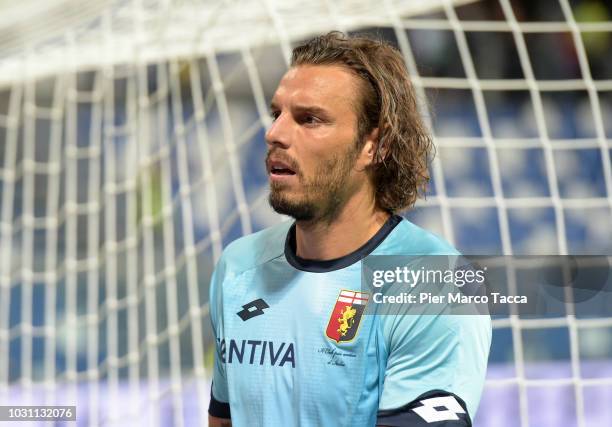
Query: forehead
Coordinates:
[318,84]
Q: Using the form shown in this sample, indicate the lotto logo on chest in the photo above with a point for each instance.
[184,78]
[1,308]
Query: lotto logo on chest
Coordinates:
[346,315]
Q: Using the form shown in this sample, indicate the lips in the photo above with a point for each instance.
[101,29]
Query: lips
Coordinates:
[279,168]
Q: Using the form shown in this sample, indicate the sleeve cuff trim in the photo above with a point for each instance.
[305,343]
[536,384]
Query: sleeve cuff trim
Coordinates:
[218,409]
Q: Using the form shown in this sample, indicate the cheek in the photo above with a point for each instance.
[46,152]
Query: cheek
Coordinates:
[322,147]
[309,156]
[309,166]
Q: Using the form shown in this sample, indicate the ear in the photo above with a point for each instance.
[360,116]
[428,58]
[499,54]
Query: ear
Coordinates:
[367,156]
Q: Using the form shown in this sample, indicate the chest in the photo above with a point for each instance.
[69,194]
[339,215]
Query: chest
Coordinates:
[277,319]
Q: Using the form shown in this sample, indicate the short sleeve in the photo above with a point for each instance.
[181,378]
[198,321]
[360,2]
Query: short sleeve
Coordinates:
[219,389]
[435,352]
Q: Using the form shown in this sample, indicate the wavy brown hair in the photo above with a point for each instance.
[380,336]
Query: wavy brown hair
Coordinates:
[387,102]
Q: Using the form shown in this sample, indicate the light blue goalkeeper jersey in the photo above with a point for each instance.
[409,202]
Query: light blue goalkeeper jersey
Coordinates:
[286,356]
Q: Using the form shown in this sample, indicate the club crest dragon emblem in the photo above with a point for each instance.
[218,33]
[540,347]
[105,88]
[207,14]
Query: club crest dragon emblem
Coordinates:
[346,315]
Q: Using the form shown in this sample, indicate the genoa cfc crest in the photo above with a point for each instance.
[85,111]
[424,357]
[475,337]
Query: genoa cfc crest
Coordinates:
[346,315]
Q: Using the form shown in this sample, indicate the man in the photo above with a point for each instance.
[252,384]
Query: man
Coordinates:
[346,150]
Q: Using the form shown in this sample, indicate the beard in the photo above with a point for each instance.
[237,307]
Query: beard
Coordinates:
[322,196]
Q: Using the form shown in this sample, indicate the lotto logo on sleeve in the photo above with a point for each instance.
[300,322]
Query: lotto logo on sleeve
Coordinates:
[346,315]
[444,408]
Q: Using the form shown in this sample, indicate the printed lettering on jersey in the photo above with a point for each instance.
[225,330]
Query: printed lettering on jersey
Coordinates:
[346,315]
[256,352]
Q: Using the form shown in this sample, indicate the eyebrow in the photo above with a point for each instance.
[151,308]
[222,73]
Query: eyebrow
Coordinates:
[304,108]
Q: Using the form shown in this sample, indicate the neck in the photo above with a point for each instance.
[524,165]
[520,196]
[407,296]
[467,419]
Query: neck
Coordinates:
[357,222]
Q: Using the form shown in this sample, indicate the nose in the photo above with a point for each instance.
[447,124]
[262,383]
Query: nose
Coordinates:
[279,132]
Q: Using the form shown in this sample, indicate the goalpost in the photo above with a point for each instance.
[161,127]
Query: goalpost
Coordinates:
[131,153]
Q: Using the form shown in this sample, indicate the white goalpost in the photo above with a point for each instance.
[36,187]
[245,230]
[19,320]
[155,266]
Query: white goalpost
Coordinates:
[131,153]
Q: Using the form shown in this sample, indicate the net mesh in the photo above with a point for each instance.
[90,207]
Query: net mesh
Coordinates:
[131,147]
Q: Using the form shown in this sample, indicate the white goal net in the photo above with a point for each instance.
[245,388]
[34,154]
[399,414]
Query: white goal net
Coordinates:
[131,153]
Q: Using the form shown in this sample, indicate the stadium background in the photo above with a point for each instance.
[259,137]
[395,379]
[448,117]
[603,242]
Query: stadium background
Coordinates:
[112,209]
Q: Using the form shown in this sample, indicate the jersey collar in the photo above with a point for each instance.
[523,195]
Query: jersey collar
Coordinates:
[320,266]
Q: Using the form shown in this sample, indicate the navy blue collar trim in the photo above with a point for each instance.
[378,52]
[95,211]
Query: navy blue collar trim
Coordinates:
[324,266]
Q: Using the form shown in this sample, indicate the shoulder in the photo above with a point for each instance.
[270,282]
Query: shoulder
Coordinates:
[410,239]
[255,249]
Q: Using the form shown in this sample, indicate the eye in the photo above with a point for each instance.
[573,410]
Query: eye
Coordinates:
[274,114]
[309,119]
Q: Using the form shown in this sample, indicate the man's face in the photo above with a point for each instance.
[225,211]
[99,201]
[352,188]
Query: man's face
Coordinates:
[312,143]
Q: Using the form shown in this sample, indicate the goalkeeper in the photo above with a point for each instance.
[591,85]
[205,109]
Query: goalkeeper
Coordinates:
[347,149]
